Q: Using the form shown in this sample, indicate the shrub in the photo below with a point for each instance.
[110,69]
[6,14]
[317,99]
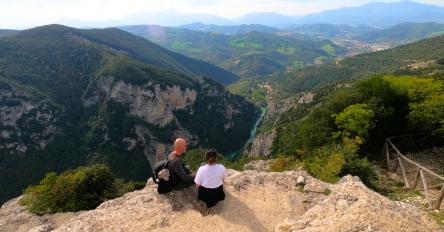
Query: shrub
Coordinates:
[81,189]
[194,158]
[429,114]
[325,163]
[330,162]
[440,61]
[284,163]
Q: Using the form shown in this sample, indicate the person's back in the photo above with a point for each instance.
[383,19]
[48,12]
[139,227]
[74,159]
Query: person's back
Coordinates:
[179,175]
[211,175]
[209,180]
[174,174]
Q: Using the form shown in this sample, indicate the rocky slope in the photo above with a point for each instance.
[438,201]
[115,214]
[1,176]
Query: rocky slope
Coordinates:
[256,201]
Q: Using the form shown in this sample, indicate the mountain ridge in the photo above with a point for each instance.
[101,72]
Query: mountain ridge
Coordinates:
[380,14]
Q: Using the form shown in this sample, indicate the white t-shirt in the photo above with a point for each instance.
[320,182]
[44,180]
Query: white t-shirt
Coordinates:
[211,176]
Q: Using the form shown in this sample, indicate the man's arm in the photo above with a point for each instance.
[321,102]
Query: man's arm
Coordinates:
[177,167]
[198,178]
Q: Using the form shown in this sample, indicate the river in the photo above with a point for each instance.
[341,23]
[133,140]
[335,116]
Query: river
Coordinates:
[235,154]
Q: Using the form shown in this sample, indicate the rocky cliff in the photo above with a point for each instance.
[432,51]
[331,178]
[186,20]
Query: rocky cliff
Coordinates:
[261,145]
[256,201]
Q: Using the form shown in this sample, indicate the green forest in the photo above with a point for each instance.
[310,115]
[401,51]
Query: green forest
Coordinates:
[348,129]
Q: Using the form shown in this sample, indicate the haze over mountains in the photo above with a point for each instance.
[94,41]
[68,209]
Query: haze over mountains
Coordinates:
[375,14]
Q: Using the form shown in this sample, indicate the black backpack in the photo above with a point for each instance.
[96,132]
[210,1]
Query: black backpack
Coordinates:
[163,186]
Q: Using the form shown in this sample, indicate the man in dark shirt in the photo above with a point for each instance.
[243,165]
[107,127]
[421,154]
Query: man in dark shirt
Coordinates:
[180,176]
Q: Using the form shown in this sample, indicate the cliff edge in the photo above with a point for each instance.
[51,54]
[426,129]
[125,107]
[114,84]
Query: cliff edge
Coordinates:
[256,201]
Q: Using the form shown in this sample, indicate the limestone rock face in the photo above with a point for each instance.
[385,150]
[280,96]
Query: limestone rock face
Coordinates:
[261,145]
[158,106]
[258,165]
[353,207]
[306,98]
[255,201]
[20,111]
[152,103]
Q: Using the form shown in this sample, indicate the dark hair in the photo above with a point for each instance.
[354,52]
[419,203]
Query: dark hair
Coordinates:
[211,156]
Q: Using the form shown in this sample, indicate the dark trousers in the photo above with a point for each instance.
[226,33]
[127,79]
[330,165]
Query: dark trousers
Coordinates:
[211,196]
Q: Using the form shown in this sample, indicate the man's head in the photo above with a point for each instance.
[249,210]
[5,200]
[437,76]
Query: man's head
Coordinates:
[180,146]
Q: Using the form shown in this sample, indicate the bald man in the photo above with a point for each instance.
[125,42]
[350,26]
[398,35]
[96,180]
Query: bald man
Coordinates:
[179,174]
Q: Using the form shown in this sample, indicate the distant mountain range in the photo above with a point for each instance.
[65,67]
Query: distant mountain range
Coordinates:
[5,32]
[245,54]
[267,18]
[230,29]
[375,14]
[403,33]
[167,18]
[378,14]
[327,30]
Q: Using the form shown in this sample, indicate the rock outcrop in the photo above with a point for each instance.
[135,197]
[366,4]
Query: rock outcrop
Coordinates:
[353,207]
[20,114]
[256,201]
[261,144]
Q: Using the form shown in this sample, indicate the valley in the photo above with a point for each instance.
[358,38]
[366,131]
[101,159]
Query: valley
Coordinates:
[293,104]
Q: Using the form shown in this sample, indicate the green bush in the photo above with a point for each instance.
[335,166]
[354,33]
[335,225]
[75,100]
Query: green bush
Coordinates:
[194,158]
[284,163]
[81,189]
[429,114]
[330,162]
[326,163]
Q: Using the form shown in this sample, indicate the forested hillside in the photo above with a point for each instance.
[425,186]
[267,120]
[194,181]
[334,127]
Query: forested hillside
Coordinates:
[403,33]
[247,55]
[4,32]
[230,30]
[420,57]
[355,104]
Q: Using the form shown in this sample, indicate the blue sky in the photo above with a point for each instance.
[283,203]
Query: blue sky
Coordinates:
[26,13]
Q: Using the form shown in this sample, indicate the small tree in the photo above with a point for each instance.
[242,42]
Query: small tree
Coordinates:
[355,121]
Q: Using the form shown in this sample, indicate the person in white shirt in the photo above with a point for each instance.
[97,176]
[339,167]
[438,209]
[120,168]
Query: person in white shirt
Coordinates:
[210,179]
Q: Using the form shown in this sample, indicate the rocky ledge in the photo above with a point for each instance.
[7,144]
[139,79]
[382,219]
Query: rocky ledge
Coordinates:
[256,201]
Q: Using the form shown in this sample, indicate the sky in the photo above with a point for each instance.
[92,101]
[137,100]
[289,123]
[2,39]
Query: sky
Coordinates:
[27,13]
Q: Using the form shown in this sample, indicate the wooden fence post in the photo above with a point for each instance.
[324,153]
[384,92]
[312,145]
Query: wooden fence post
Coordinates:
[426,190]
[439,199]
[387,154]
[418,175]
[407,185]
